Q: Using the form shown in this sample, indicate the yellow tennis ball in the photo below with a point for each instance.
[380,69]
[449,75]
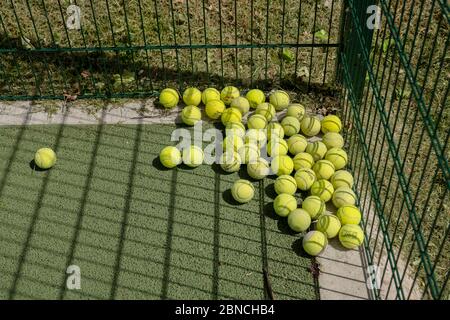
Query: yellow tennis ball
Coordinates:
[314,242]
[190,115]
[296,110]
[169,98]
[243,191]
[241,104]
[349,214]
[249,153]
[323,169]
[303,160]
[192,96]
[258,169]
[214,109]
[45,158]
[328,224]
[297,143]
[285,184]
[310,125]
[314,206]
[317,149]
[333,140]
[276,147]
[322,189]
[305,178]
[235,128]
[338,157]
[282,165]
[331,123]
[232,143]
[266,109]
[284,204]
[343,196]
[255,97]
[231,115]
[170,157]
[279,99]
[257,121]
[193,156]
[290,126]
[210,94]
[299,220]
[256,136]
[230,162]
[228,94]
[275,129]
[342,178]
[351,236]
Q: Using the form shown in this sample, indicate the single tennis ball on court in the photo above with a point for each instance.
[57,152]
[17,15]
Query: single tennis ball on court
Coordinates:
[170,157]
[232,143]
[342,178]
[351,236]
[322,189]
[303,160]
[267,110]
[256,121]
[190,115]
[231,115]
[235,128]
[279,99]
[296,110]
[317,149]
[282,165]
[299,220]
[323,169]
[328,224]
[249,153]
[276,147]
[331,123]
[305,178]
[284,204]
[242,191]
[210,94]
[230,162]
[256,136]
[314,242]
[214,109]
[314,206]
[255,97]
[258,169]
[193,156]
[297,143]
[338,157]
[333,140]
[45,158]
[192,96]
[169,98]
[228,94]
[290,126]
[241,104]
[274,129]
[344,196]
[310,126]
[285,184]
[349,214]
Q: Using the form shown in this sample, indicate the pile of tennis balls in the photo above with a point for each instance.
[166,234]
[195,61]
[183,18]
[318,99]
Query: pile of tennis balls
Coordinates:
[306,151]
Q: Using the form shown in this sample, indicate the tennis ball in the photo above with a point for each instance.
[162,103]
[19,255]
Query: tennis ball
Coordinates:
[256,121]
[310,125]
[314,242]
[258,169]
[338,157]
[331,123]
[317,149]
[349,214]
[266,109]
[192,96]
[290,125]
[344,196]
[228,94]
[275,129]
[230,162]
[323,169]
[170,157]
[256,137]
[279,99]
[328,224]
[276,147]
[296,110]
[193,156]
[282,165]
[249,153]
[231,115]
[214,109]
[232,143]
[351,236]
[322,189]
[305,178]
[255,97]
[190,115]
[303,160]
[235,128]
[297,143]
[314,206]
[284,204]
[241,104]
[342,178]
[285,184]
[169,98]
[45,158]
[210,94]
[333,140]
[242,191]
[299,220]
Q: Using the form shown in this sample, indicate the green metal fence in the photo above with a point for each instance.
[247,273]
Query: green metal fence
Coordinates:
[392,79]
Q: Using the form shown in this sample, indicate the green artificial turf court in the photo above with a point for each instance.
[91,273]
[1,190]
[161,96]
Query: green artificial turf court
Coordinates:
[135,229]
